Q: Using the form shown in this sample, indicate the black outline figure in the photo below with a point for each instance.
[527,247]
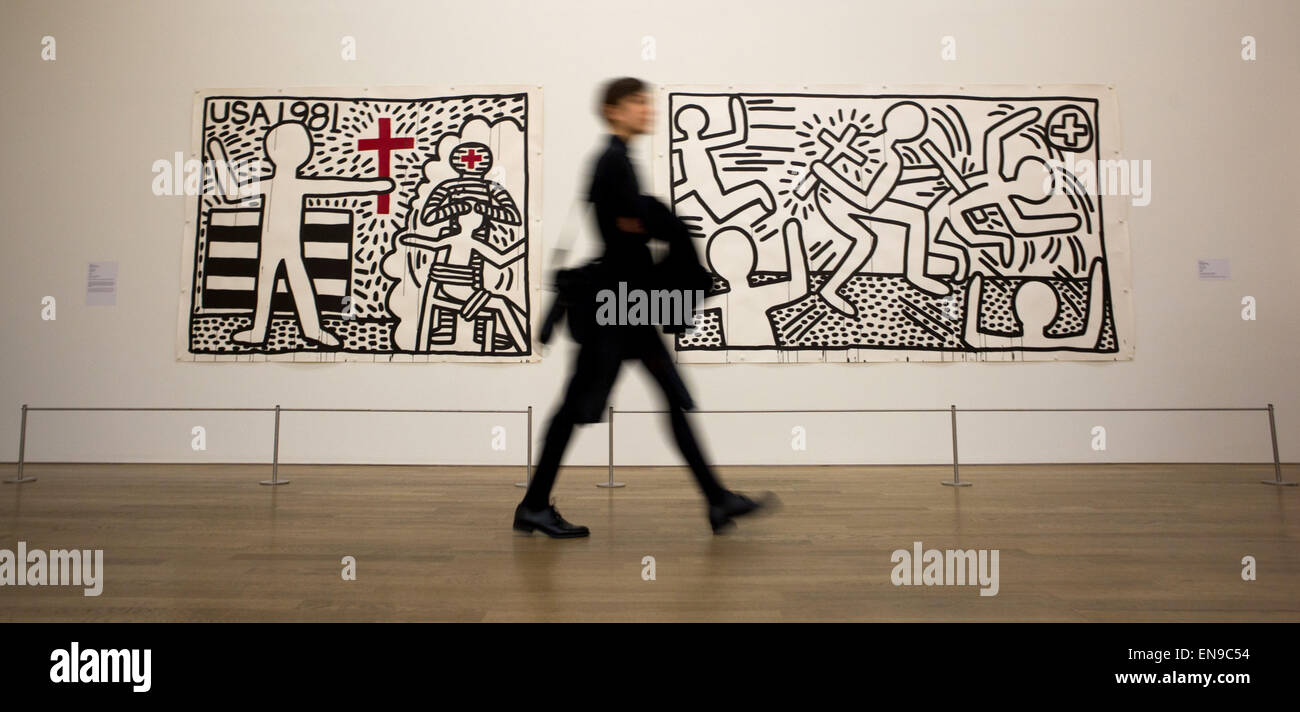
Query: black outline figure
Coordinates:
[987,202]
[287,143]
[692,145]
[1036,304]
[466,206]
[741,327]
[856,207]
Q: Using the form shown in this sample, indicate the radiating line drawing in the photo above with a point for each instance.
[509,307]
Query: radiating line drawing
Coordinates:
[932,225]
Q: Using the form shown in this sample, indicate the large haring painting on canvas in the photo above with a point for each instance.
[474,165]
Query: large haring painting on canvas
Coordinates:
[349,225]
[909,225]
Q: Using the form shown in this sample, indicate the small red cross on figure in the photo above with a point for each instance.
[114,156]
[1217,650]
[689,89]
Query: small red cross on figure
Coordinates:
[471,158]
[383,145]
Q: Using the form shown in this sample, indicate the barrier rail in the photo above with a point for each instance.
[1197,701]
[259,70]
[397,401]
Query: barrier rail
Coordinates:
[275,452]
[953,410]
[611,483]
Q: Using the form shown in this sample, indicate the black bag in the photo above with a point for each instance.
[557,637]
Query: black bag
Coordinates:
[575,300]
[680,270]
[576,287]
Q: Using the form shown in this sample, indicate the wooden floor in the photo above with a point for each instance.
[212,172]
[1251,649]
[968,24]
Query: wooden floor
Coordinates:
[1076,543]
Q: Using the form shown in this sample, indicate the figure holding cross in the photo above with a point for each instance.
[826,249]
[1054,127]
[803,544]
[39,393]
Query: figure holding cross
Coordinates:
[852,210]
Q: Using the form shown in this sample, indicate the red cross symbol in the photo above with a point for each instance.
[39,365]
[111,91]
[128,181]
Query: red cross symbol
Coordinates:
[471,158]
[384,144]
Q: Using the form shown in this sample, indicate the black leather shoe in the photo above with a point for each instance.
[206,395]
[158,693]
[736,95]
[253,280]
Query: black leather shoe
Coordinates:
[738,505]
[548,521]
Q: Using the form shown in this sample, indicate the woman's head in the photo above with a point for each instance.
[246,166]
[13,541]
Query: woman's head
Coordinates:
[626,106]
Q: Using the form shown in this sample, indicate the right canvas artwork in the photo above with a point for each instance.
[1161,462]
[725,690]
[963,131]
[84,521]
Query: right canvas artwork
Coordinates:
[907,223]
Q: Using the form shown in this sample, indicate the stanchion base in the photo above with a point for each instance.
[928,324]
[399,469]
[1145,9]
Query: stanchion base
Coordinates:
[19,480]
[273,482]
[610,485]
[1275,483]
[956,484]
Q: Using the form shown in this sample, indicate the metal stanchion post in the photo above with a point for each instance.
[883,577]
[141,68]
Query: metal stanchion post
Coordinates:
[275,455]
[1277,461]
[528,467]
[956,476]
[611,484]
[22,443]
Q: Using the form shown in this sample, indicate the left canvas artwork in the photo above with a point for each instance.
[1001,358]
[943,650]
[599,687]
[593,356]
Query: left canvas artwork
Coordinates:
[392,224]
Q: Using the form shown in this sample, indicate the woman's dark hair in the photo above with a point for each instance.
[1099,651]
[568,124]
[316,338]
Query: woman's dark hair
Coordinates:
[618,89]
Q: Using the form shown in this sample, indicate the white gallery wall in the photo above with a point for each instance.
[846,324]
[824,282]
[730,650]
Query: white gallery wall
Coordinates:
[81,133]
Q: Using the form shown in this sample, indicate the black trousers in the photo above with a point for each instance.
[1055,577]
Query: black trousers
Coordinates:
[594,372]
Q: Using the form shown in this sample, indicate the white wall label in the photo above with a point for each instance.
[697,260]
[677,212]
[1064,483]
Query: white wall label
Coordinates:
[1212,269]
[101,284]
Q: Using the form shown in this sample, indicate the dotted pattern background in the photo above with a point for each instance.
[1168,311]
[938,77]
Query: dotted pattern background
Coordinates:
[212,335]
[894,314]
